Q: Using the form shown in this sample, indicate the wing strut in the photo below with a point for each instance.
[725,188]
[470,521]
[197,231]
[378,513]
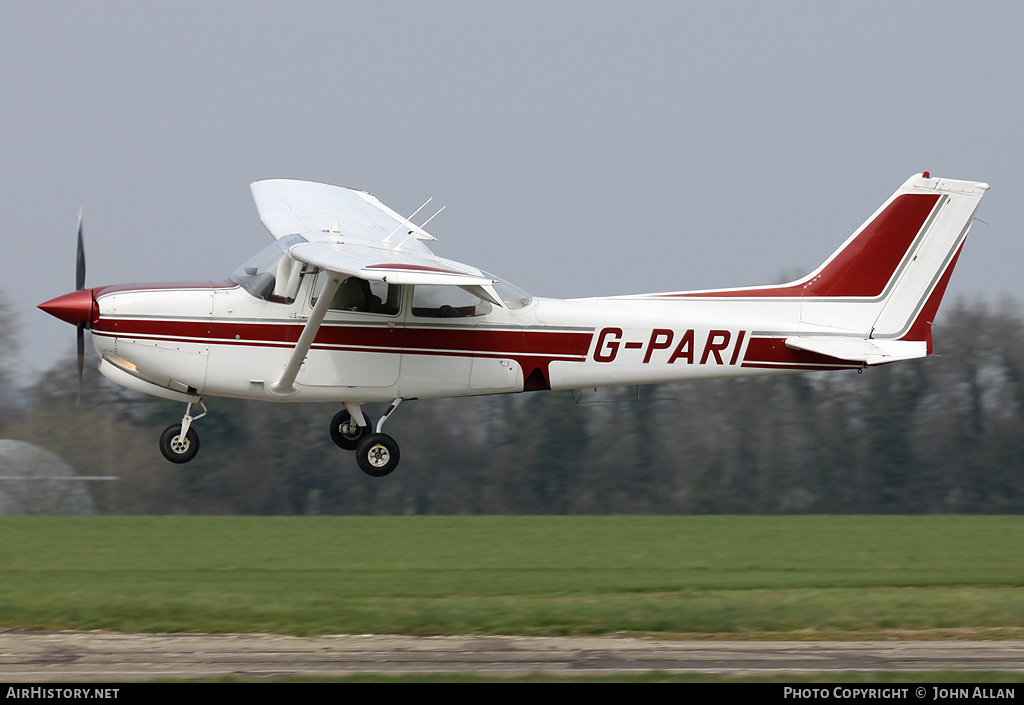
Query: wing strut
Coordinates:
[285,385]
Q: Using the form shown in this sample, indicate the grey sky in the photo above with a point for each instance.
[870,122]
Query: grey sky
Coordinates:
[580,148]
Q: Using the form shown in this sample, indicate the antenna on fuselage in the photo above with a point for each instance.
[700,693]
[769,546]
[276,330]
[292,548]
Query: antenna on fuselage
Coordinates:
[408,221]
[418,235]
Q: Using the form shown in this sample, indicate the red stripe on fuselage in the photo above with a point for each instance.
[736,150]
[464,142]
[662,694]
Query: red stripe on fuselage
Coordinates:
[561,345]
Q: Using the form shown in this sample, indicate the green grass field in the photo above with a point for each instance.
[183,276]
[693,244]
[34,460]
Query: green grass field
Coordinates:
[734,577]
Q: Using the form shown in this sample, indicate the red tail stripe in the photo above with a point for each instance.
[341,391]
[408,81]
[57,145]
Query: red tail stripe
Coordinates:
[773,353]
[865,266]
[921,329]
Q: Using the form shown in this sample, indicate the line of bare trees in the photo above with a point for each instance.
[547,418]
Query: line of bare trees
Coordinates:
[940,435]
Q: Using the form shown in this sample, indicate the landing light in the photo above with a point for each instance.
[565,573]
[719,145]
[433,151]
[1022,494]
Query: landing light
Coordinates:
[121,363]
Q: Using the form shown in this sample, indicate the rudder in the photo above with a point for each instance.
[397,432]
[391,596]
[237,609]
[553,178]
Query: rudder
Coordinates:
[888,278]
[919,285]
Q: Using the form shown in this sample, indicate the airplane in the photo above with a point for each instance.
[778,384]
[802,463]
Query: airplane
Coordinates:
[349,306]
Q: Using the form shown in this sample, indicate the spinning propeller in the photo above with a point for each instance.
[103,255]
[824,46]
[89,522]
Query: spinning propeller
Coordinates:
[76,307]
[80,325]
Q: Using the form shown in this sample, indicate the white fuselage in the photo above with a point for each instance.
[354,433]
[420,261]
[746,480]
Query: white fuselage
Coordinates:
[216,339]
[424,328]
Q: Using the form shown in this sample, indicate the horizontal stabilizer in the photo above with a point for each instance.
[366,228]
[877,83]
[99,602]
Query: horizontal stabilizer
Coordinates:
[866,350]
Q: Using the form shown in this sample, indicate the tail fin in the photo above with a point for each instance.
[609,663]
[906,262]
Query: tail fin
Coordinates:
[898,263]
[875,298]
[920,282]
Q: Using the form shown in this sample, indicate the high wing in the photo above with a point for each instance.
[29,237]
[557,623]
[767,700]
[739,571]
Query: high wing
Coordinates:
[351,232]
[313,210]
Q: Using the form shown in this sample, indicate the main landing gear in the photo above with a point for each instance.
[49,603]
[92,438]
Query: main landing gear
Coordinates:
[377,453]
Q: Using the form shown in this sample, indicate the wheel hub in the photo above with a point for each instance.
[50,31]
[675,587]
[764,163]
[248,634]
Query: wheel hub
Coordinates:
[378,456]
[179,444]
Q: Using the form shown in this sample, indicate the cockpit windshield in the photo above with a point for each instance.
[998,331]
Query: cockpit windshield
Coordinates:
[271,274]
[512,295]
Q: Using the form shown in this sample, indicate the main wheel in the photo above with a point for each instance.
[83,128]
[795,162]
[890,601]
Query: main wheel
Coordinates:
[178,449]
[346,433]
[377,454]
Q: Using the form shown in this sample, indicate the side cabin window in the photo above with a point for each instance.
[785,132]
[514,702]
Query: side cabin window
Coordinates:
[436,301]
[361,296]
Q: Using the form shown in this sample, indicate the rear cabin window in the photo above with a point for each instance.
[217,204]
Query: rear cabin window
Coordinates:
[434,301]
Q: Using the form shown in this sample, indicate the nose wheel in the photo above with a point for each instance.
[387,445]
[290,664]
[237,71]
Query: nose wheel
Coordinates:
[180,443]
[178,447]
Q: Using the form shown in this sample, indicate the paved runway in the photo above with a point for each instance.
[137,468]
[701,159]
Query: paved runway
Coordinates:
[102,656]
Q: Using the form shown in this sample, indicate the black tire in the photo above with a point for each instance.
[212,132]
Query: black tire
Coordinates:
[346,439]
[174,450]
[377,454]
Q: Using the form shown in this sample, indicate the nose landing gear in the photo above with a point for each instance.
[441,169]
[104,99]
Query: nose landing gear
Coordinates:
[180,443]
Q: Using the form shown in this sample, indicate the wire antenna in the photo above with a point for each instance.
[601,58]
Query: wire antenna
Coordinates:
[421,235]
[408,221]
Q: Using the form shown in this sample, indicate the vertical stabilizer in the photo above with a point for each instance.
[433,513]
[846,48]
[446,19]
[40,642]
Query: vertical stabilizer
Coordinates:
[897,268]
[920,283]
[888,278]
[875,298]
